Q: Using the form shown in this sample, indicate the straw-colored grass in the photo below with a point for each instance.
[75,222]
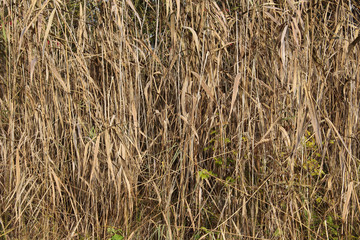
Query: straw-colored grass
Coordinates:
[162,119]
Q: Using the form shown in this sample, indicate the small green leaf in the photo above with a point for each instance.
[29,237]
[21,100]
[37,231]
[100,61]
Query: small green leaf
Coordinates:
[92,133]
[218,161]
[230,179]
[204,174]
[278,232]
[230,161]
[117,237]
[197,236]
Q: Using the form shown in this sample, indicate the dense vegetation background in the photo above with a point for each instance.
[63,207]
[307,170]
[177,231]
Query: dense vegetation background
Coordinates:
[162,119]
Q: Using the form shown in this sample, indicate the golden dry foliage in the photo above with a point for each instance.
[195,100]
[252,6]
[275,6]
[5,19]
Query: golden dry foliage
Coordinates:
[179,119]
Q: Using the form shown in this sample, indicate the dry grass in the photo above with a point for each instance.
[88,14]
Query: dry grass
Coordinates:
[179,119]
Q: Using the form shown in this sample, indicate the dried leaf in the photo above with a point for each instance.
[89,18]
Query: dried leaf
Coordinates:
[108,147]
[283,47]
[134,9]
[347,201]
[95,164]
[235,92]
[204,85]
[314,119]
[195,37]
[56,74]
[48,27]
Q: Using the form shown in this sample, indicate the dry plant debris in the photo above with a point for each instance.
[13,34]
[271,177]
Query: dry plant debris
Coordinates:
[163,119]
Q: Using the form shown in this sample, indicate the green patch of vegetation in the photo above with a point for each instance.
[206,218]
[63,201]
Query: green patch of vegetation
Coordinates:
[116,234]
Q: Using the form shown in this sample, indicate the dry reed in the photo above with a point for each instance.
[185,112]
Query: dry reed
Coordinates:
[164,119]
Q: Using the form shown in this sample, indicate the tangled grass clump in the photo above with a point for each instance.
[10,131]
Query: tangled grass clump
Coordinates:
[187,119]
